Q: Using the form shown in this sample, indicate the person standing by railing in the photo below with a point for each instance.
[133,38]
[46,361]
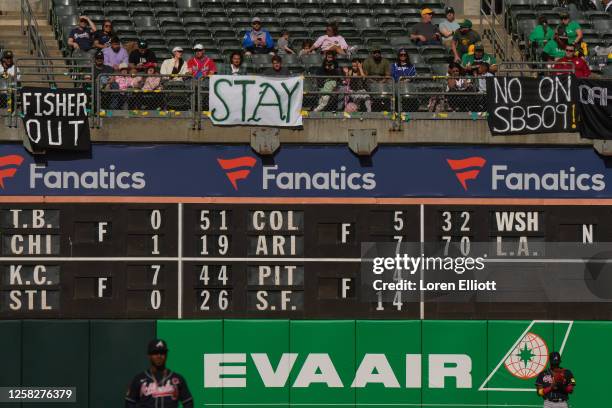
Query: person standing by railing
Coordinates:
[9,74]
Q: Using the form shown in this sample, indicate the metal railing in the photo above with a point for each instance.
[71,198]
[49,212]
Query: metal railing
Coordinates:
[534,68]
[144,96]
[29,28]
[491,23]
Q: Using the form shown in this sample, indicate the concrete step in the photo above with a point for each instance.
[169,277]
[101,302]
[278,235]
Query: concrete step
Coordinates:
[7,35]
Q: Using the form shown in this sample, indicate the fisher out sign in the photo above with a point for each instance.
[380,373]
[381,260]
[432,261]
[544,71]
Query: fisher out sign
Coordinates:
[531,105]
[55,118]
[256,100]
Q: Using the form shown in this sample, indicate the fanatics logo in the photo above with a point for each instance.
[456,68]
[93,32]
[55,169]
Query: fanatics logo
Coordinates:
[235,168]
[8,167]
[467,169]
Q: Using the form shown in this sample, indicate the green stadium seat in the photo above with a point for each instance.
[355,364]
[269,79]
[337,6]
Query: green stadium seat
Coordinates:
[170,22]
[257,5]
[306,3]
[166,12]
[390,22]
[57,3]
[207,42]
[145,21]
[334,13]
[545,4]
[163,3]
[603,26]
[218,22]
[238,12]
[65,10]
[214,12]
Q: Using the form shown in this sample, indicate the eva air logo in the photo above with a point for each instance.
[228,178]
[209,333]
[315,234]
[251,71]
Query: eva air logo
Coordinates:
[525,356]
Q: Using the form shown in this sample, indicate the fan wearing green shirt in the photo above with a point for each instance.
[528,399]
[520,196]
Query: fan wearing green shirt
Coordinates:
[471,62]
[572,29]
[555,48]
[541,33]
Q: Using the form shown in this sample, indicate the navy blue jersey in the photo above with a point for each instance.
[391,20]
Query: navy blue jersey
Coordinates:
[547,379]
[165,390]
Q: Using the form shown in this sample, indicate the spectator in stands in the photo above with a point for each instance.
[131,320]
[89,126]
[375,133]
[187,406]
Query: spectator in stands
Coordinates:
[425,33]
[121,82]
[235,66]
[402,67]
[355,87]
[572,29]
[463,38]
[306,48]
[102,38]
[580,66]
[151,83]
[200,65]
[175,65]
[541,33]
[80,38]
[377,66]
[482,73]
[470,62]
[555,48]
[331,41]
[257,40]
[9,74]
[448,27]
[277,68]
[100,68]
[328,81]
[142,57]
[283,44]
[115,55]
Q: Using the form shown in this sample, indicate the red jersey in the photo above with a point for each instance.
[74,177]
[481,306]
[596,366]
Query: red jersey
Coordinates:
[580,65]
[201,67]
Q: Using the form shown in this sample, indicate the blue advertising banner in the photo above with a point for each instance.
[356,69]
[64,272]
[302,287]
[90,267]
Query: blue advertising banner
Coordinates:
[308,171]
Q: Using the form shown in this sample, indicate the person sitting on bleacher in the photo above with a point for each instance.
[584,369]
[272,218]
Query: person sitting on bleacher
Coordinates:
[355,87]
[200,65]
[463,38]
[80,38]
[142,57]
[572,29]
[235,66]
[580,66]
[425,33]
[282,44]
[377,66]
[115,55]
[277,68]
[330,41]
[402,67]
[257,40]
[175,65]
[448,27]
[328,75]
[541,33]
[470,62]
[555,48]
[102,38]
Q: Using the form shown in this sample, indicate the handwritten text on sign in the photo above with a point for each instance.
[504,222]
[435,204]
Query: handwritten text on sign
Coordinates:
[531,105]
[256,100]
[56,118]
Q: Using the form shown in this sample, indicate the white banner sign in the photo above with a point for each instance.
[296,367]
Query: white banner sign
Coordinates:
[256,100]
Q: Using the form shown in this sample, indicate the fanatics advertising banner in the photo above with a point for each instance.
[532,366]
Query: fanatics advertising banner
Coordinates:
[174,170]
[595,97]
[55,118]
[256,100]
[531,105]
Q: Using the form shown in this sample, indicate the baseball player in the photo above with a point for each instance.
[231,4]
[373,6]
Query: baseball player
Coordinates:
[555,383]
[158,387]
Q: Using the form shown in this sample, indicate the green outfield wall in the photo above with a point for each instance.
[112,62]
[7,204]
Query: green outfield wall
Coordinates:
[312,364]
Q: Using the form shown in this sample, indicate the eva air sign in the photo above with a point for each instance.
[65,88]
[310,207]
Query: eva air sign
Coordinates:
[348,363]
[256,100]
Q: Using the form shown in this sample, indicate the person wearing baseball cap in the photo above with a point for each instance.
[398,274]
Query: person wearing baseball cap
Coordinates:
[142,57]
[572,29]
[9,73]
[257,40]
[175,65]
[377,66]
[158,386]
[470,62]
[115,54]
[200,65]
[448,26]
[555,48]
[463,38]
[425,33]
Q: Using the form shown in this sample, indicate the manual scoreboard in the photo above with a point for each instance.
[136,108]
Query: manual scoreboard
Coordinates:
[282,260]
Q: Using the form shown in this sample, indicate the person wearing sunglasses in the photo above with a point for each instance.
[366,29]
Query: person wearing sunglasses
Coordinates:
[175,65]
[257,40]
[80,39]
[572,61]
[102,38]
[158,386]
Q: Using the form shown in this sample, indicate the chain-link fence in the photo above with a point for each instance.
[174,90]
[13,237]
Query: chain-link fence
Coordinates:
[349,96]
[442,94]
[141,95]
[7,100]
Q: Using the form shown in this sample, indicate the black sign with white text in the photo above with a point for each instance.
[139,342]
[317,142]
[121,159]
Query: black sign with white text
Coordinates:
[531,105]
[595,97]
[55,118]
